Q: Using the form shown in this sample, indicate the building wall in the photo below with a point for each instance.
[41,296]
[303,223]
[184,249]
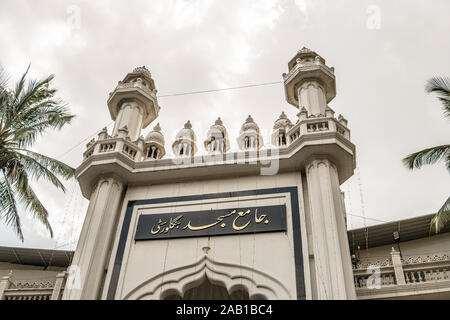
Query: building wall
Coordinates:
[28,272]
[261,259]
[429,246]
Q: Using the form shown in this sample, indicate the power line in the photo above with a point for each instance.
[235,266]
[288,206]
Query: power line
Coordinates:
[87,138]
[362,217]
[220,89]
[180,94]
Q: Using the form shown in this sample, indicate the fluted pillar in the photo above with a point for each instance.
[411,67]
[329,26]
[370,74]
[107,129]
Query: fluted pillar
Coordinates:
[311,95]
[4,285]
[334,277]
[398,267]
[130,115]
[88,270]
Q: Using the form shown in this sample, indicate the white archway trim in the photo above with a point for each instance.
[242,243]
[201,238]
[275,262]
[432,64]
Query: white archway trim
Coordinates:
[232,276]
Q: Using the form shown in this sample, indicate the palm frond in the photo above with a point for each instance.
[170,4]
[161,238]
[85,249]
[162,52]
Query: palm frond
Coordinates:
[38,165]
[8,207]
[36,91]
[41,121]
[32,204]
[26,112]
[428,156]
[440,86]
[3,79]
[441,218]
[17,172]
[20,85]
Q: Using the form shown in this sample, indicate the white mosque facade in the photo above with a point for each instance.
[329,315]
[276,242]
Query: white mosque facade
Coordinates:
[259,223]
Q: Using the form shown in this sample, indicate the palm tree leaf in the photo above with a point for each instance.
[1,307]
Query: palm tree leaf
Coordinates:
[3,79]
[25,113]
[8,206]
[32,204]
[26,136]
[440,86]
[57,167]
[17,172]
[427,156]
[37,170]
[441,218]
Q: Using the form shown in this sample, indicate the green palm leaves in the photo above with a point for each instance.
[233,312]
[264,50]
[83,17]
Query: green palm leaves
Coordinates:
[441,87]
[27,111]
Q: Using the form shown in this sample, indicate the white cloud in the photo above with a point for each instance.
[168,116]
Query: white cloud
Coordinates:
[196,45]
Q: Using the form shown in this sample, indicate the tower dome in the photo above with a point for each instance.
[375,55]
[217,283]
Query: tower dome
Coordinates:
[280,129]
[133,103]
[282,122]
[249,137]
[184,144]
[217,138]
[154,144]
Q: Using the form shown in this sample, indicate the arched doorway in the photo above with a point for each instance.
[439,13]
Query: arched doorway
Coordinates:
[207,290]
[209,279]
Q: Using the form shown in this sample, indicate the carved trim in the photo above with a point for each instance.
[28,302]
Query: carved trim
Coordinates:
[232,276]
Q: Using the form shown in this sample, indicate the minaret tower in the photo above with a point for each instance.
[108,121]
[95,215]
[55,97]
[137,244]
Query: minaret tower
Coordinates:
[133,103]
[133,106]
[310,83]
[309,86]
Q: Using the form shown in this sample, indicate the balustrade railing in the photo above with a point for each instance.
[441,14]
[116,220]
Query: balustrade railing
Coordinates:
[427,271]
[415,270]
[107,147]
[129,151]
[134,149]
[43,289]
[366,278]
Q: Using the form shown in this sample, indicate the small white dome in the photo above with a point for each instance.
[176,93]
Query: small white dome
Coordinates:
[217,131]
[249,125]
[185,137]
[216,128]
[186,133]
[155,136]
[282,122]
[143,70]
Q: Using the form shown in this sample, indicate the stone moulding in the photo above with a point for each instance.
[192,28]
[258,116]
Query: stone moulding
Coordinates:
[179,280]
[293,157]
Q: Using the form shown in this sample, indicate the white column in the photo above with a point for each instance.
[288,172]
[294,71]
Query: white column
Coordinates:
[59,283]
[398,267]
[4,285]
[334,278]
[130,115]
[311,95]
[90,260]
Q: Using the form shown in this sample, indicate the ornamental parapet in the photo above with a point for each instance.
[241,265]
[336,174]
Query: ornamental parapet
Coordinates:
[42,289]
[310,124]
[387,279]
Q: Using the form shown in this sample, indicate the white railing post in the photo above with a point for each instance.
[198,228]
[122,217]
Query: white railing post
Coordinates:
[398,267]
[59,285]
[4,285]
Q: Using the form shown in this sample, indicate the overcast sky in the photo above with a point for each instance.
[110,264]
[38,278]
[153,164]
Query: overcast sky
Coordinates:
[383,53]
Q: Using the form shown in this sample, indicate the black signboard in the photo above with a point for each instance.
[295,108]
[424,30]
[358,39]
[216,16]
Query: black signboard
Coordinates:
[211,222]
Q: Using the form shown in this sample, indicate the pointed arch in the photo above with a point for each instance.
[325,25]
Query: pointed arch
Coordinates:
[233,277]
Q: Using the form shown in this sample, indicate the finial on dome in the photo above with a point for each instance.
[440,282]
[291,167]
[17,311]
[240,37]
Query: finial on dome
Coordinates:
[188,125]
[249,119]
[218,122]
[283,115]
[157,128]
[304,50]
[142,70]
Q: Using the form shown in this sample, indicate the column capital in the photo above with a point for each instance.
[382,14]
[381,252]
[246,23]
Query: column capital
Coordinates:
[110,177]
[315,160]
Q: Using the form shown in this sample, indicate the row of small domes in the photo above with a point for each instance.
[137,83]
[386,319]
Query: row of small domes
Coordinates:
[187,132]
